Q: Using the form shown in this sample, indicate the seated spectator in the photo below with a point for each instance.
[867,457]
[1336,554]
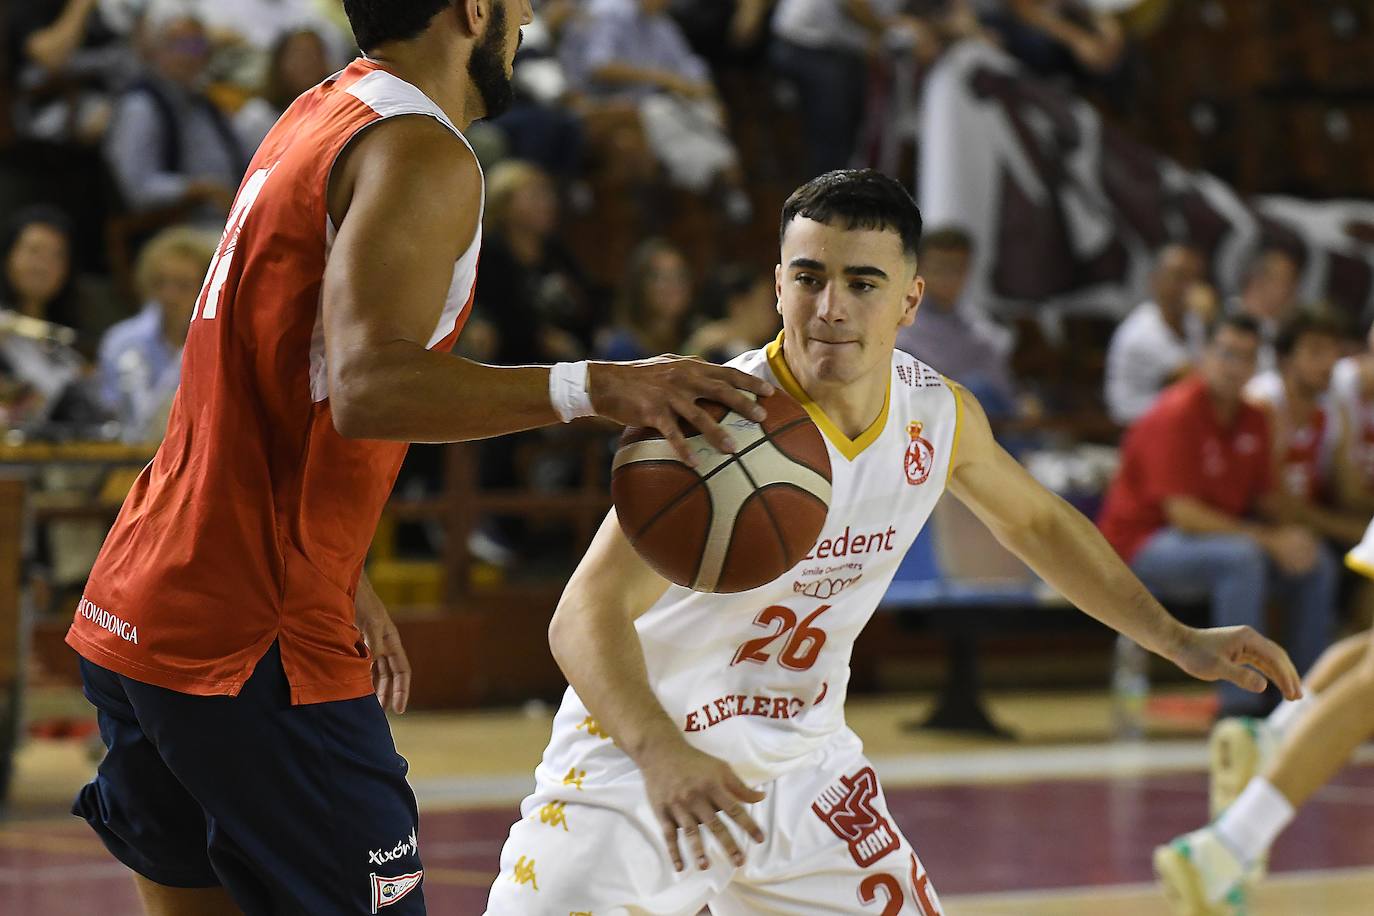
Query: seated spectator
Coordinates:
[655,305]
[66,58]
[530,290]
[1308,431]
[1352,394]
[632,51]
[1269,294]
[822,47]
[750,300]
[949,335]
[724,31]
[298,62]
[1158,341]
[246,33]
[543,124]
[37,364]
[168,145]
[1066,40]
[140,357]
[1195,512]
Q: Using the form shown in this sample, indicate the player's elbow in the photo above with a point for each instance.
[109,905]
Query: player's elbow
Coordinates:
[352,417]
[355,403]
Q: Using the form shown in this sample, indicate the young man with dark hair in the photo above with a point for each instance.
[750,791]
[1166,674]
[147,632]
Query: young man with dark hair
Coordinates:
[229,638]
[692,713]
[1195,511]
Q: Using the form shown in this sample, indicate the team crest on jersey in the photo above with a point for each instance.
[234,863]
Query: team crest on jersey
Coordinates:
[386,891]
[920,455]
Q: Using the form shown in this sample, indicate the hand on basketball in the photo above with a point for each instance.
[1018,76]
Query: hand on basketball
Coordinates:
[662,392]
[689,791]
[1223,653]
[390,666]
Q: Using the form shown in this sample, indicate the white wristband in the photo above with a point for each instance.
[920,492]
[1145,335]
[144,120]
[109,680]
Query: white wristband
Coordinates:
[568,391]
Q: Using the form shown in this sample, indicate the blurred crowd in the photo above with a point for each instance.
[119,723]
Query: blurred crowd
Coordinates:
[134,120]
[1248,448]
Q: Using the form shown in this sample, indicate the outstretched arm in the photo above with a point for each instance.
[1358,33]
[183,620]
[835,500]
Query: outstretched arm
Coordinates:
[1067,551]
[593,638]
[406,197]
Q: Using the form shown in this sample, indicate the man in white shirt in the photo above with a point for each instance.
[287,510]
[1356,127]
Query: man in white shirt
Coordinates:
[1159,340]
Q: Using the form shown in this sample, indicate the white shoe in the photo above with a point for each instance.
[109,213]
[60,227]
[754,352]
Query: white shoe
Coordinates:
[1200,876]
[1238,750]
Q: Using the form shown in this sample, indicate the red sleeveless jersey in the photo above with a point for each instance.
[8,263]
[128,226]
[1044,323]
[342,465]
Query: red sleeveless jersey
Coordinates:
[252,522]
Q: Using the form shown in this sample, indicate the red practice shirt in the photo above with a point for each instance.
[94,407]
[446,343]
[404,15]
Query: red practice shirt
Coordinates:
[252,521]
[1180,448]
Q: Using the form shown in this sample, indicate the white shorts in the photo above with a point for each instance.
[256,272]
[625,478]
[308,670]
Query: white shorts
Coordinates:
[830,847]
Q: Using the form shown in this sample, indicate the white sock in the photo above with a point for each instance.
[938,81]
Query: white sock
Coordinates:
[1252,823]
[1287,713]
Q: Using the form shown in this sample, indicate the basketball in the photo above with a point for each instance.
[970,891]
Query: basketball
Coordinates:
[734,522]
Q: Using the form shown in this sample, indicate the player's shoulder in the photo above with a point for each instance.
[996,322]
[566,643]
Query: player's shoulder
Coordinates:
[913,378]
[753,362]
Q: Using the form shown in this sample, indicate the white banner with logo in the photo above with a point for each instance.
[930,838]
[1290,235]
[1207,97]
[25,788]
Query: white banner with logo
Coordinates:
[1066,210]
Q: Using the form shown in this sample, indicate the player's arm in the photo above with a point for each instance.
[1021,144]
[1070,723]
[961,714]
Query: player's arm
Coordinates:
[594,641]
[1069,553]
[406,197]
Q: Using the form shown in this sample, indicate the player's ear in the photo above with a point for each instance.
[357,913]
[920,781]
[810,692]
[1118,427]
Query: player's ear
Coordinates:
[777,287]
[911,301]
[471,15]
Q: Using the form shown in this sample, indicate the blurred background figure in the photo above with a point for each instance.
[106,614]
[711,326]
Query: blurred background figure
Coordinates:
[1198,514]
[1269,294]
[37,363]
[298,61]
[1064,41]
[748,298]
[1158,342]
[140,357]
[654,312]
[531,292]
[169,146]
[950,334]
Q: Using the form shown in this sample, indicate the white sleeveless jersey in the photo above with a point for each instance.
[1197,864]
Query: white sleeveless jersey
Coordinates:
[759,678]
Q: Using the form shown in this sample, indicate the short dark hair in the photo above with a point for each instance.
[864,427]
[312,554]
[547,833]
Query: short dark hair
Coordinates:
[863,199]
[376,22]
[947,238]
[1303,323]
[1241,323]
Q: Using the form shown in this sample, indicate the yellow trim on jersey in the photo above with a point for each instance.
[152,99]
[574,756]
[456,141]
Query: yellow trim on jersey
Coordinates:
[849,448]
[958,426]
[1359,566]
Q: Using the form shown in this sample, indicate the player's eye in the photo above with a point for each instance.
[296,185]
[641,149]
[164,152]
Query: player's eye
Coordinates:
[807,280]
[860,286]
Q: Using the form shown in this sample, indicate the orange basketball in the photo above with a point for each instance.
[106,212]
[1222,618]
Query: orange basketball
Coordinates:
[734,522]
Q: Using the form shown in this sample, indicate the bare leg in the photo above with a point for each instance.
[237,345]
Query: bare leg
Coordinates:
[1336,661]
[1323,740]
[160,900]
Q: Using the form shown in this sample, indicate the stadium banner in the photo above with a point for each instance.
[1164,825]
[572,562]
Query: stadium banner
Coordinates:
[1066,210]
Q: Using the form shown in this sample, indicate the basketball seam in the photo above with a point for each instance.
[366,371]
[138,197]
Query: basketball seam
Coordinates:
[767,510]
[701,479]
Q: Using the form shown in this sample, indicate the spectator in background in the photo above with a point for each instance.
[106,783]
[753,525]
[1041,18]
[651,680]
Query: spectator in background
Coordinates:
[1195,513]
[749,298]
[1159,340]
[543,125]
[298,61]
[245,33]
[949,334]
[37,365]
[1064,40]
[655,305]
[1269,294]
[822,47]
[1308,432]
[1352,395]
[140,357]
[632,51]
[66,58]
[530,290]
[169,146]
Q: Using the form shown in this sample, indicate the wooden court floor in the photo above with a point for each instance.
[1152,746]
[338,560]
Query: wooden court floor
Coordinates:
[1057,823]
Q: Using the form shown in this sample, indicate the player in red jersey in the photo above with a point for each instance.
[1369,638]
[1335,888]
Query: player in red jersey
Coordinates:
[228,637]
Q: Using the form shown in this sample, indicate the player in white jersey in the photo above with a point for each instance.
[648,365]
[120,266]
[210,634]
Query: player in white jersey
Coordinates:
[1263,770]
[692,714]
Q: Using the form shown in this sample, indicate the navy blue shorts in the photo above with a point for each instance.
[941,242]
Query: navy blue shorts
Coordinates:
[292,809]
